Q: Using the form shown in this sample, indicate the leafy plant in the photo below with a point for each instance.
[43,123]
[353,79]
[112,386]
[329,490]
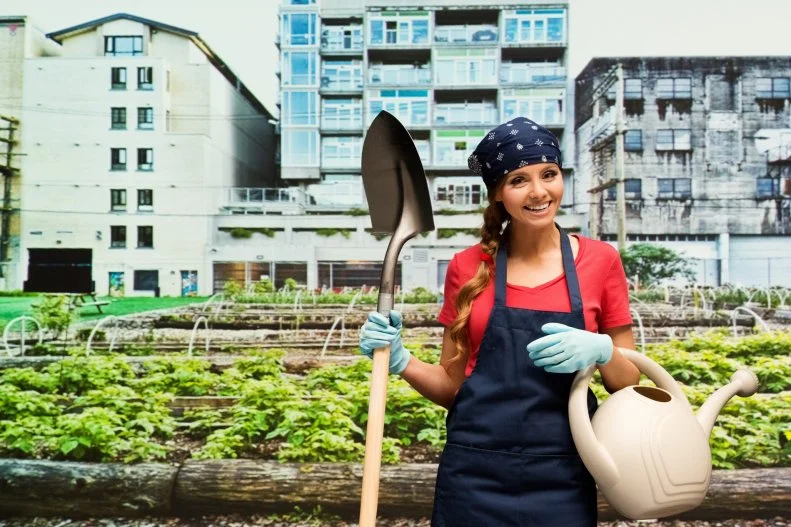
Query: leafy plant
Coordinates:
[654,263]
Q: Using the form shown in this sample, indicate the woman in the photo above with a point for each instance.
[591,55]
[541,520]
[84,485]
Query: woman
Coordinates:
[512,345]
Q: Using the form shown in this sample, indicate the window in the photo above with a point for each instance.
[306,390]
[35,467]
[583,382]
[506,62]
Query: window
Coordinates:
[117,236]
[146,280]
[118,159]
[145,118]
[299,29]
[680,188]
[145,199]
[632,90]
[145,78]
[773,88]
[123,46]
[535,25]
[674,88]
[118,118]
[118,199]
[633,141]
[145,237]
[118,78]
[679,140]
[405,29]
[145,159]
[633,189]
[300,68]
[300,107]
[300,148]
[767,187]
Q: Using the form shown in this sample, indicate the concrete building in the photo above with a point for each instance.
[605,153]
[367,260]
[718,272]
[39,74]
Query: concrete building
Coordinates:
[449,70]
[19,40]
[707,160]
[133,133]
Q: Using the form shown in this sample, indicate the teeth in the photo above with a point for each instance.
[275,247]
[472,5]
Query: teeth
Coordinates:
[538,209]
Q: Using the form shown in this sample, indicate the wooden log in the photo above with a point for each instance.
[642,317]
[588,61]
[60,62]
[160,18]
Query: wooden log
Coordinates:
[53,488]
[47,488]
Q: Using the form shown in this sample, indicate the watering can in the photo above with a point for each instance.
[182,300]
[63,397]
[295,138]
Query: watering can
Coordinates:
[646,449]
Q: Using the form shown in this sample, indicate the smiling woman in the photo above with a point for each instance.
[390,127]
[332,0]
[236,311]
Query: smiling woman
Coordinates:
[524,310]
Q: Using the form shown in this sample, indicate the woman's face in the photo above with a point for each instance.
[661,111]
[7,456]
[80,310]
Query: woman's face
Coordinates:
[532,194]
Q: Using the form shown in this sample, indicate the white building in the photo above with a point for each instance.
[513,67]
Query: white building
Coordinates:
[133,135]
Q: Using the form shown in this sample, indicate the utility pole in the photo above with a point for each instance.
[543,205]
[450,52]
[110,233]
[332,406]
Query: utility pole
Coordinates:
[7,171]
[600,138]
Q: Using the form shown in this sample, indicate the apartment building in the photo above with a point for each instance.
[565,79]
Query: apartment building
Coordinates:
[707,160]
[133,132]
[449,71]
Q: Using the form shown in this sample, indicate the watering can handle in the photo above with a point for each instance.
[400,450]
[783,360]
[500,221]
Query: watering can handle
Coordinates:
[593,454]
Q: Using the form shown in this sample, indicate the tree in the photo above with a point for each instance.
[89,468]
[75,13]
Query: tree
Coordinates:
[653,263]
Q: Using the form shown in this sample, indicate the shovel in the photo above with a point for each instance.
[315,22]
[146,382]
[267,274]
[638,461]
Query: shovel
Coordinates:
[399,204]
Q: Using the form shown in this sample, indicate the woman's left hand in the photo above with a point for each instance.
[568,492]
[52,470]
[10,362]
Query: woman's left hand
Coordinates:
[565,349]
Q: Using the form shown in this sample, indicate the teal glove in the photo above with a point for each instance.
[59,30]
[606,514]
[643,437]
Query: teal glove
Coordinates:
[565,349]
[378,332]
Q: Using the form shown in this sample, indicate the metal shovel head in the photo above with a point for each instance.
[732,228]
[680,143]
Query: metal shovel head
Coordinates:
[394,181]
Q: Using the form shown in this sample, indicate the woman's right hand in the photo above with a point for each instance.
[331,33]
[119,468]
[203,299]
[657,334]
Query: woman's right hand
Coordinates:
[378,332]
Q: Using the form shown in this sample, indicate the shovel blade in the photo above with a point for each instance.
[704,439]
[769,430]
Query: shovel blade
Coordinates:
[394,180]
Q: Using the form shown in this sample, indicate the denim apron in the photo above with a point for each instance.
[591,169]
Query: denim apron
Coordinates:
[510,459]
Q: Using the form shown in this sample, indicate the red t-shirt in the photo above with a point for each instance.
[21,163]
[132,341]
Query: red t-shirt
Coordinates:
[605,294]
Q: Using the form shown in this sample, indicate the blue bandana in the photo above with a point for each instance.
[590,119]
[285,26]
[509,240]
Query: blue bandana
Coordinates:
[517,143]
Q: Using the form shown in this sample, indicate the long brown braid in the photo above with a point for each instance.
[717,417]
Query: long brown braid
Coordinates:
[492,234]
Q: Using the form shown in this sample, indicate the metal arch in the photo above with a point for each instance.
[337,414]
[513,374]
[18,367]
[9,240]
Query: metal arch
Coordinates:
[195,333]
[342,320]
[22,319]
[636,314]
[749,311]
[93,333]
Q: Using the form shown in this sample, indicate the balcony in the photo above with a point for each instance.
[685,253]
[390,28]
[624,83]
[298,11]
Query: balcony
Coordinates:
[449,158]
[342,41]
[465,114]
[602,129]
[399,75]
[525,73]
[243,200]
[337,195]
[334,124]
[464,34]
[341,85]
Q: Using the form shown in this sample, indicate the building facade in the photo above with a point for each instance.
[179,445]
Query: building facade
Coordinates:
[133,133]
[707,157]
[449,71]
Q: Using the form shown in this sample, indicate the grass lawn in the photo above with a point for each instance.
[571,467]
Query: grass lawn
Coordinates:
[14,306]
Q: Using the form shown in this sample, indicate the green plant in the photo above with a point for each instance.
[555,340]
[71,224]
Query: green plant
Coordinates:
[264,285]
[653,263]
[232,289]
[450,233]
[357,212]
[241,233]
[53,314]
[346,233]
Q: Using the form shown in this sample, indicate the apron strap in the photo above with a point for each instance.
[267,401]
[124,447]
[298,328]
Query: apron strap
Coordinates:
[569,269]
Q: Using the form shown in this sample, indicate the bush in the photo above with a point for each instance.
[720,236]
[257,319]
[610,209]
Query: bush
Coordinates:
[653,263]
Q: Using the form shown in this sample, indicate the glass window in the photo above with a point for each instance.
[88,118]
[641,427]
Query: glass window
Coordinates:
[145,237]
[117,236]
[342,75]
[300,148]
[145,199]
[633,140]
[526,26]
[123,46]
[118,118]
[118,199]
[299,29]
[300,107]
[420,31]
[118,159]
[674,188]
[673,140]
[341,152]
[398,30]
[145,78]
[546,111]
[633,189]
[118,78]
[773,88]
[146,280]
[674,88]
[767,187]
[145,159]
[301,68]
[340,114]
[145,118]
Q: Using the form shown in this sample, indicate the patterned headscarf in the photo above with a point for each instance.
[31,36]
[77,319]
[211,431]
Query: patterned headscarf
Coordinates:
[517,143]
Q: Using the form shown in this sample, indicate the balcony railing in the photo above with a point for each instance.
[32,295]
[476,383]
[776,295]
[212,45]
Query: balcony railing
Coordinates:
[341,123]
[465,114]
[447,157]
[342,85]
[465,34]
[399,76]
[291,200]
[511,73]
[340,42]
[602,128]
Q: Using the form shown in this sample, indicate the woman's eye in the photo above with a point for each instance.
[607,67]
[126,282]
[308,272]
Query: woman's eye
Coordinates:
[550,175]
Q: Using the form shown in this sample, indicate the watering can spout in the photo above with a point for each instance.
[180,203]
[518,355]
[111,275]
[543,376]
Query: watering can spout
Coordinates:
[743,383]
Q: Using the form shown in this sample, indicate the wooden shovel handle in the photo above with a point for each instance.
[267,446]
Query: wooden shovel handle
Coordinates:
[373,437]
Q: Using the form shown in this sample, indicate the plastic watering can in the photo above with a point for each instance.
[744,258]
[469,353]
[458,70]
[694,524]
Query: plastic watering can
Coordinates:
[646,449]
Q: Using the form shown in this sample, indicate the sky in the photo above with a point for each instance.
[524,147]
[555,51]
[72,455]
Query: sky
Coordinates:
[242,32]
